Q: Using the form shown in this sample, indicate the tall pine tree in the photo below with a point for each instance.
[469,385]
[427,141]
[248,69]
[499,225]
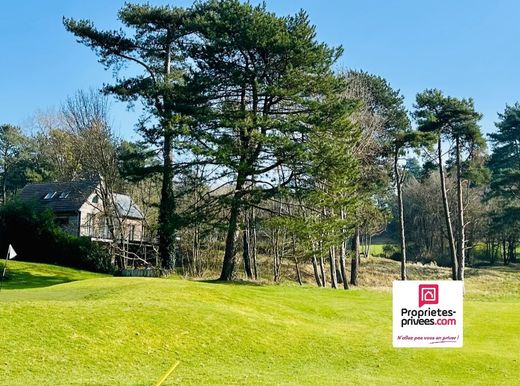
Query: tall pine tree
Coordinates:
[263,78]
[455,121]
[152,44]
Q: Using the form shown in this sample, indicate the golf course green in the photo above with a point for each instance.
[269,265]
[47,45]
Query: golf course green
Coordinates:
[98,330]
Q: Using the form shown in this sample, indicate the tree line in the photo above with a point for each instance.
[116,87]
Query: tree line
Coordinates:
[253,143]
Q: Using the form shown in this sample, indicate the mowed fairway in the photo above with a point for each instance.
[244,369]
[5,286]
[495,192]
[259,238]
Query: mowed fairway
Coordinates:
[130,331]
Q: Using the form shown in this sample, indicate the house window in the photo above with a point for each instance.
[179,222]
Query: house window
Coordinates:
[63,195]
[106,229]
[90,224]
[131,232]
[95,199]
[49,195]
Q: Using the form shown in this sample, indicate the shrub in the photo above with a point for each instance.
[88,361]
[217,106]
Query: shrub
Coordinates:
[391,251]
[36,237]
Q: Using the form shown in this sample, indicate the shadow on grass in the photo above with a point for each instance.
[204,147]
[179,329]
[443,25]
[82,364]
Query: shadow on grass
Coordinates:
[24,280]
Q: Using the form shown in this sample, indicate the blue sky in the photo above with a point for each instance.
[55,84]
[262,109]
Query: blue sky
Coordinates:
[465,48]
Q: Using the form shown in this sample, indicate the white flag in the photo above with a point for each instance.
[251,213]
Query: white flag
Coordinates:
[10,252]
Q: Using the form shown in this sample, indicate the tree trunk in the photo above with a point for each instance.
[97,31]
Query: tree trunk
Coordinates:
[354,263]
[296,264]
[167,207]
[298,272]
[315,267]
[366,244]
[276,255]
[253,243]
[196,263]
[4,183]
[504,252]
[322,268]
[228,265]
[342,264]
[342,255]
[332,263]
[445,204]
[510,250]
[494,252]
[245,253]
[399,187]
[461,242]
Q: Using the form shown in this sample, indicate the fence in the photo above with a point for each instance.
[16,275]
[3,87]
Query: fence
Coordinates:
[141,272]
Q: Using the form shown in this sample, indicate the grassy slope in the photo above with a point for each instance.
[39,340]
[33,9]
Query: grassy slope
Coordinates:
[131,330]
[32,275]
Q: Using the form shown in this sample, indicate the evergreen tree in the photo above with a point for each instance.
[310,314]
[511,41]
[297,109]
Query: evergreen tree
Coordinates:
[504,164]
[331,185]
[505,158]
[13,159]
[395,135]
[456,121]
[263,77]
[152,44]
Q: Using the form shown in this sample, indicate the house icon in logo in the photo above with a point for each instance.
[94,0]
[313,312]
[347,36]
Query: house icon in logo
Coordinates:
[428,294]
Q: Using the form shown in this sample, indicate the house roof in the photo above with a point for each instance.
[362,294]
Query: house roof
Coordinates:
[66,197]
[127,207]
[78,192]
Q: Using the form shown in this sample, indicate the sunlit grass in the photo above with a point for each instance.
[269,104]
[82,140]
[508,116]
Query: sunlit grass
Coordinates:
[129,331]
[376,249]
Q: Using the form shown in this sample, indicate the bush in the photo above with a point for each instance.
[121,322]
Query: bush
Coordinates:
[36,237]
[391,251]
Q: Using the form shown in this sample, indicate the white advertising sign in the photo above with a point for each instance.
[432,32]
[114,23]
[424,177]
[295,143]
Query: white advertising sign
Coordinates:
[427,313]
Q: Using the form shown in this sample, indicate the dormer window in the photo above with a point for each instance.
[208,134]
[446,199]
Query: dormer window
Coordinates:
[50,195]
[63,195]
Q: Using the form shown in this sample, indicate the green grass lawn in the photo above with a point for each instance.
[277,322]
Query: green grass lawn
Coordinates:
[130,331]
[32,275]
[376,249]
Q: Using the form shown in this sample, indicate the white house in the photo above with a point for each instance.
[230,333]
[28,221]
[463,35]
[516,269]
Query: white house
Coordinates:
[79,209]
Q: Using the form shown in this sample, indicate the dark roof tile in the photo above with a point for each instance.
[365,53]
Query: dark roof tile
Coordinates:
[78,192]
